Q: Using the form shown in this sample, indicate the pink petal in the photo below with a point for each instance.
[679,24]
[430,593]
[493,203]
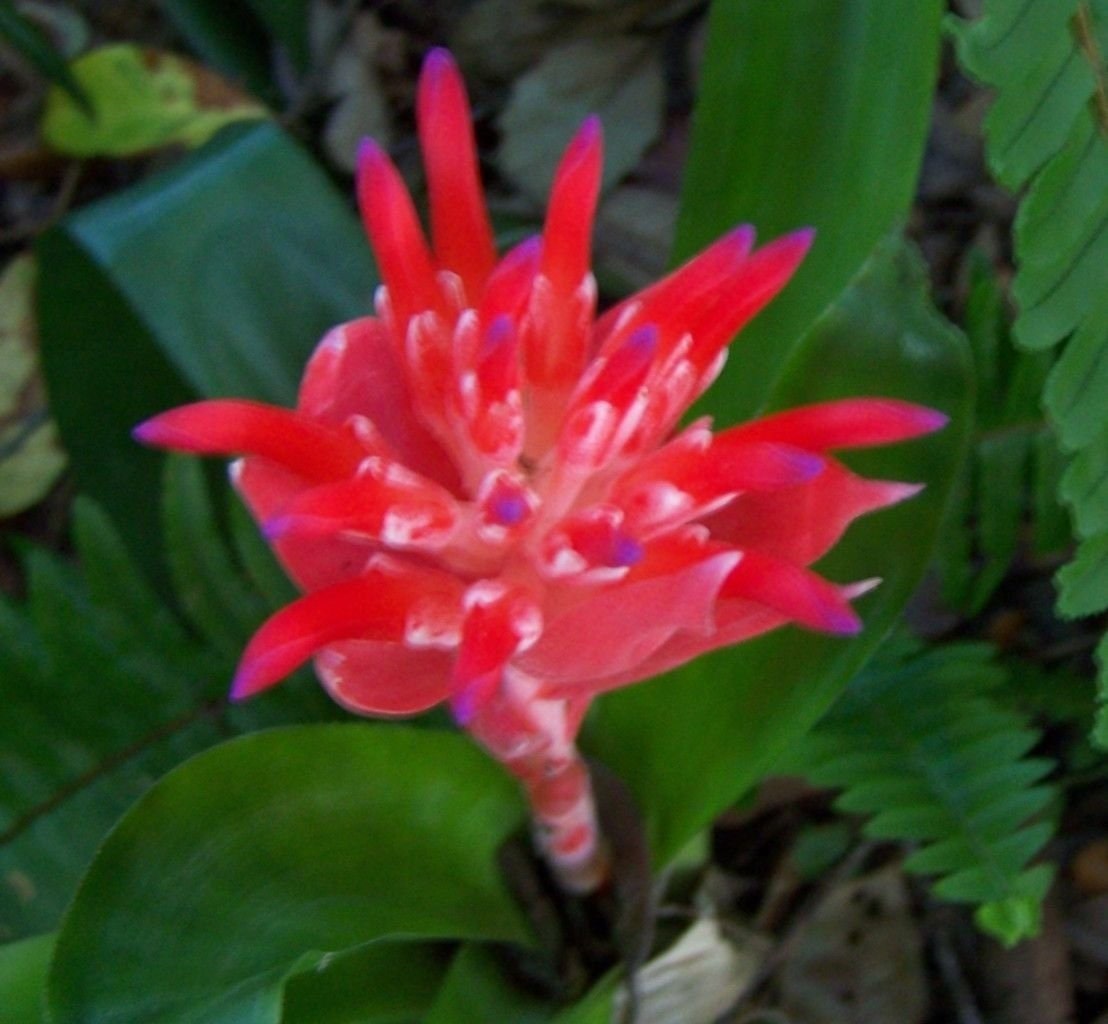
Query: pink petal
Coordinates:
[799,524]
[373,678]
[459,221]
[799,594]
[395,234]
[354,372]
[668,302]
[568,230]
[499,621]
[752,286]
[375,606]
[847,423]
[619,627]
[226,426]
[311,562]
[509,285]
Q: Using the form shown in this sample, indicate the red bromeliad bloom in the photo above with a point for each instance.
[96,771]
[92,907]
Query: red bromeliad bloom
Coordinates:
[483,491]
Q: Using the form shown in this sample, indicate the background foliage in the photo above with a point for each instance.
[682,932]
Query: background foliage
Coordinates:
[214,271]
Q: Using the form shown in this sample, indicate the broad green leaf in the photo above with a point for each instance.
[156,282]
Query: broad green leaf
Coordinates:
[255,860]
[30,458]
[217,277]
[29,40]
[141,100]
[477,990]
[692,742]
[811,112]
[382,983]
[23,968]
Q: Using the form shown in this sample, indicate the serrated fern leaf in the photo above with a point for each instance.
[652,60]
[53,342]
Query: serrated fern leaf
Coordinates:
[921,745]
[105,688]
[1047,134]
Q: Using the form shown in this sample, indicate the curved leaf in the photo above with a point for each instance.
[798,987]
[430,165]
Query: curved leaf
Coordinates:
[254,860]
[812,112]
[23,967]
[691,743]
[215,278]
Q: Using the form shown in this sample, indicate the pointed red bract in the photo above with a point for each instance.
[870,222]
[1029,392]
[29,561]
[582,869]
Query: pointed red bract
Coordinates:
[483,493]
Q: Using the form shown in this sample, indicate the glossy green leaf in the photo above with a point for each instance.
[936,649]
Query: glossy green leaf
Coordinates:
[23,967]
[812,112]
[215,278]
[255,860]
[382,983]
[691,743]
[1002,461]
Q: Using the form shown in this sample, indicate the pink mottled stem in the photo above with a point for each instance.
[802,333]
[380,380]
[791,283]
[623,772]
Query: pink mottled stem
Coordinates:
[534,748]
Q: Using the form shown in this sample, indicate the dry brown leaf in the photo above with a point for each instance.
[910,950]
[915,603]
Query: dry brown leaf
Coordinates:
[858,960]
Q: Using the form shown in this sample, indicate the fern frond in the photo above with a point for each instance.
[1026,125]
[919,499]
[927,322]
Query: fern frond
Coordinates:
[105,688]
[1048,134]
[1014,470]
[920,744]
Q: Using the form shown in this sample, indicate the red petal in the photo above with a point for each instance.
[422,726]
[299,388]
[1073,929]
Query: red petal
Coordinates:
[459,221]
[800,523]
[568,229]
[619,627]
[848,423]
[354,372]
[499,620]
[375,606]
[389,504]
[395,234]
[797,593]
[509,286]
[750,288]
[373,678]
[669,301]
[236,427]
[311,562]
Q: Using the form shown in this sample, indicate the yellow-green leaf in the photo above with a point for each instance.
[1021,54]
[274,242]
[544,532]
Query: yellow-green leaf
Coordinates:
[142,99]
[30,457]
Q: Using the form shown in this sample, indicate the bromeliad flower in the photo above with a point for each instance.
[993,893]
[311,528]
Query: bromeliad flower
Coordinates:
[485,494]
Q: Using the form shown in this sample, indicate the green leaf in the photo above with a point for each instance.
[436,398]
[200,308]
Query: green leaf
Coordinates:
[1002,461]
[1048,134]
[30,458]
[382,983]
[23,967]
[254,860]
[88,640]
[920,743]
[691,743]
[798,123]
[29,40]
[1083,583]
[229,36]
[142,100]
[477,991]
[287,21]
[215,278]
